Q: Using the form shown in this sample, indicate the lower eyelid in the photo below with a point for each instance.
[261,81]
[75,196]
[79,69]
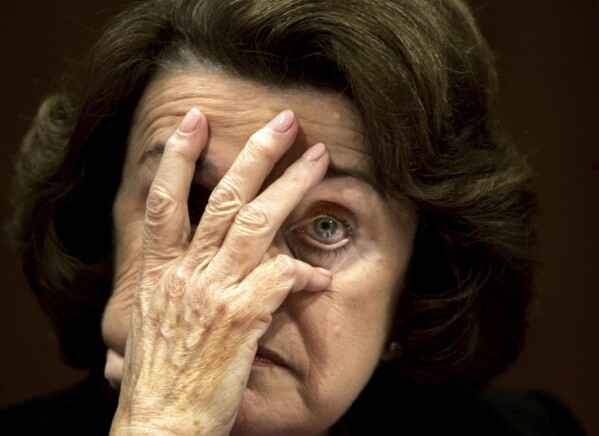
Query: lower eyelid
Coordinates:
[302,249]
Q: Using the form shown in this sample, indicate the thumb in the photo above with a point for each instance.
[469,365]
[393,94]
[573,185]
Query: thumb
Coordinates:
[113,371]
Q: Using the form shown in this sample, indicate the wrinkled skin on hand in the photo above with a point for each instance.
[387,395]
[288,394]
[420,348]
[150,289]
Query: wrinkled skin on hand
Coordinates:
[203,301]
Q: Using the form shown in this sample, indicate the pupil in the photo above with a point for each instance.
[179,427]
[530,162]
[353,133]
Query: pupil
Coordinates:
[326,228]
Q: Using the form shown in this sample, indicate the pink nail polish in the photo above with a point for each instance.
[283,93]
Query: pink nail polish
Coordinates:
[324,272]
[282,122]
[315,152]
[190,122]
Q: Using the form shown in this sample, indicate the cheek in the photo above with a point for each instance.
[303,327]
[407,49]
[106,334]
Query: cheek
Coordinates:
[344,336]
[345,332]
[366,312]
[369,291]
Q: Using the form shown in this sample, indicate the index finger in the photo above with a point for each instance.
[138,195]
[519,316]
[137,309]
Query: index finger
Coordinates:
[166,225]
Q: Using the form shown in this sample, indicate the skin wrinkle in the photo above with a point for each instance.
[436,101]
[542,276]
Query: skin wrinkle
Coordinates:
[318,334]
[171,104]
[161,117]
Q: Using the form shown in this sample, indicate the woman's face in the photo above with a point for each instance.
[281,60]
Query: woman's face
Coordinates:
[330,341]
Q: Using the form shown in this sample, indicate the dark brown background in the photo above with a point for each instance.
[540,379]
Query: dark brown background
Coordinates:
[548,61]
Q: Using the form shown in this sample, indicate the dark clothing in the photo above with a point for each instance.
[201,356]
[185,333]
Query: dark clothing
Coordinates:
[84,409]
[388,406]
[402,408]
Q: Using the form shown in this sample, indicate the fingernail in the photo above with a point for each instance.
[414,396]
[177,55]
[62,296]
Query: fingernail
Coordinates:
[190,122]
[315,152]
[324,272]
[282,122]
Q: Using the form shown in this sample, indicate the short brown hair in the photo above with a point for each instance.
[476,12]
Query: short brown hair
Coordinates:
[422,78]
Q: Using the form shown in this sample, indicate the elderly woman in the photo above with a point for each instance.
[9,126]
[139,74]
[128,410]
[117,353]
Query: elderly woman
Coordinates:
[284,217]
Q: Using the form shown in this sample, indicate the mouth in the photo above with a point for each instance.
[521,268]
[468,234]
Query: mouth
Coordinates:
[266,357]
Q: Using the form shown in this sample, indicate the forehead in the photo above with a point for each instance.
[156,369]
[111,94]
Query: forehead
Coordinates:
[236,108]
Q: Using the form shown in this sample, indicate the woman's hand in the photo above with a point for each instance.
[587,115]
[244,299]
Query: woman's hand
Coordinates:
[201,306]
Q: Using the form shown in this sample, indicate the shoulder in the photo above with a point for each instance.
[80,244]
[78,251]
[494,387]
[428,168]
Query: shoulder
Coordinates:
[401,407]
[84,408]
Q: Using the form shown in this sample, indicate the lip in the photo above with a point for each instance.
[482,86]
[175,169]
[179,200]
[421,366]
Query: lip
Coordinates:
[267,357]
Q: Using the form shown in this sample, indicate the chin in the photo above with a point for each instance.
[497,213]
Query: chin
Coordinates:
[259,416]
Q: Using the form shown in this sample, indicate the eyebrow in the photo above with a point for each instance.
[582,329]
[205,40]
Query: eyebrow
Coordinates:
[150,152]
[204,165]
[333,171]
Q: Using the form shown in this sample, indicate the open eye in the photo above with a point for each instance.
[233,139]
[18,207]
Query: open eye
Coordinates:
[321,236]
[325,229]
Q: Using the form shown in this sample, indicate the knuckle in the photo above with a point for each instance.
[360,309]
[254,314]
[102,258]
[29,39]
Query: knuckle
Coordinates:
[159,205]
[224,198]
[177,145]
[252,217]
[260,146]
[176,283]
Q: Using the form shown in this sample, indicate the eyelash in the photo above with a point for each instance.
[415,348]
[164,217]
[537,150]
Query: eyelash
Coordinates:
[311,249]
